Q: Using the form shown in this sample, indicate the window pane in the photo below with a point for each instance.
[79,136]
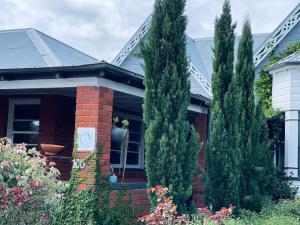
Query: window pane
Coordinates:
[27,112]
[134,125]
[26,125]
[132,158]
[26,138]
[133,147]
[115,157]
[134,136]
[115,146]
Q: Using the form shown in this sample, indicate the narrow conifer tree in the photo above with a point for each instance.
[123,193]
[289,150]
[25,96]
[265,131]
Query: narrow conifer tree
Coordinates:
[171,144]
[222,155]
[257,169]
[245,75]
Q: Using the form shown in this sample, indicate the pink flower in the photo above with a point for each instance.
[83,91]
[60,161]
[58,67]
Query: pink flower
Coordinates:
[35,184]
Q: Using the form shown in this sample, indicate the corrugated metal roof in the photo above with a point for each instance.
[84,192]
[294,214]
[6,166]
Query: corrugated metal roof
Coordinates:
[205,46]
[199,51]
[29,48]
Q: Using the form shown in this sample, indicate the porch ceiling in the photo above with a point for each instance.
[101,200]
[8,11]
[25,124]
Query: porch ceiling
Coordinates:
[126,102]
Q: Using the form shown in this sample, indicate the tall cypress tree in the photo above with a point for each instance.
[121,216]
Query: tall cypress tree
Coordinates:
[245,75]
[171,144]
[222,155]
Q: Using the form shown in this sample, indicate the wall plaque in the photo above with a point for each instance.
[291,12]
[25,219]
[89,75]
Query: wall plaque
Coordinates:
[86,138]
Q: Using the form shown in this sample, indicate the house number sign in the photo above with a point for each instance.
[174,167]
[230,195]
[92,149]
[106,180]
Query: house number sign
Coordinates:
[86,138]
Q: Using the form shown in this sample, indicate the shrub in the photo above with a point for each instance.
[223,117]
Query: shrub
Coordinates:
[29,188]
[165,212]
[92,205]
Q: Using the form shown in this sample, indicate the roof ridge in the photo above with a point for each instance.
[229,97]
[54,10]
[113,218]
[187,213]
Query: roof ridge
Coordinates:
[237,35]
[15,30]
[46,53]
[69,46]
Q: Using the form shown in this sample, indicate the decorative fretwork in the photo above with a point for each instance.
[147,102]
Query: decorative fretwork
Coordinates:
[278,35]
[200,78]
[138,36]
[133,42]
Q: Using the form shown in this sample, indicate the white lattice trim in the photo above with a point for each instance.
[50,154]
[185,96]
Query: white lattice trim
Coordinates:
[133,42]
[200,78]
[278,35]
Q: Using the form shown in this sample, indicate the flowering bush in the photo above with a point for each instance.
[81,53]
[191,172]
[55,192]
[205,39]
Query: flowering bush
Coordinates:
[165,212]
[219,217]
[29,188]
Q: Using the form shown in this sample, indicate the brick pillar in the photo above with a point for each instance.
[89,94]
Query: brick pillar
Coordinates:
[3,116]
[94,106]
[201,126]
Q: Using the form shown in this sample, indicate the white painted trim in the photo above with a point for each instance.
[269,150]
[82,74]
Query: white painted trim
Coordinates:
[76,82]
[11,112]
[277,35]
[133,42]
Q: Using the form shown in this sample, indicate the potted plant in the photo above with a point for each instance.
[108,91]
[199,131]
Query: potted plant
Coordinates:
[120,137]
[118,133]
[113,177]
[51,150]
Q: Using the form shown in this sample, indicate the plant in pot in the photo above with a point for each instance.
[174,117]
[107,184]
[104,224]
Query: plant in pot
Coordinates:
[120,137]
[113,177]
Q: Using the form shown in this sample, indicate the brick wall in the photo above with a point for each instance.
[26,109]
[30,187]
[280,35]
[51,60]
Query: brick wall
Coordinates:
[139,199]
[94,106]
[3,116]
[200,123]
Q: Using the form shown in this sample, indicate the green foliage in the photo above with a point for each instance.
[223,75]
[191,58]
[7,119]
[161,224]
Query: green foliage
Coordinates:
[92,205]
[275,119]
[170,141]
[222,154]
[264,83]
[248,124]
[29,187]
[283,213]
[79,206]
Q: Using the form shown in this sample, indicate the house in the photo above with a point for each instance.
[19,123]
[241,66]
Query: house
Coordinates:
[49,91]
[200,54]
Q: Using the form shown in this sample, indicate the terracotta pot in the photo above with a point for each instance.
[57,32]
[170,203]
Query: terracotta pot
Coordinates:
[50,149]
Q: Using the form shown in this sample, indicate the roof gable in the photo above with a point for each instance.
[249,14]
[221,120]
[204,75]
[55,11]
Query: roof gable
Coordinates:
[199,51]
[29,48]
[278,35]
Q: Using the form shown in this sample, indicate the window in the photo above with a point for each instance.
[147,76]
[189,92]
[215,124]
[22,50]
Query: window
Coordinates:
[135,152]
[24,121]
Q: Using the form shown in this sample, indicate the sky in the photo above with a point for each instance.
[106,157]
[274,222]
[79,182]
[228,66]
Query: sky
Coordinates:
[101,28]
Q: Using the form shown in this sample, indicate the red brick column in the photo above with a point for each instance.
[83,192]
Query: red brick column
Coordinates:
[201,126]
[3,116]
[94,106]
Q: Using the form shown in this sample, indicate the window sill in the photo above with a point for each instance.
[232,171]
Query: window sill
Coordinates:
[129,185]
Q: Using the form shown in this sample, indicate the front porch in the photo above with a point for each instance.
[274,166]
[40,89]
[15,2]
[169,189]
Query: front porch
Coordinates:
[49,107]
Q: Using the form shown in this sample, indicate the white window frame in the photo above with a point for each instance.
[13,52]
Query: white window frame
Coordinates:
[11,112]
[141,164]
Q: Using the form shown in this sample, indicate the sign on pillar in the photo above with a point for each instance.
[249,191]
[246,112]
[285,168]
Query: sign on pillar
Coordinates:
[86,140]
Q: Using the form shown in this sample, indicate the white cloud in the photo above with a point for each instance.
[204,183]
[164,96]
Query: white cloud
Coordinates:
[102,27]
